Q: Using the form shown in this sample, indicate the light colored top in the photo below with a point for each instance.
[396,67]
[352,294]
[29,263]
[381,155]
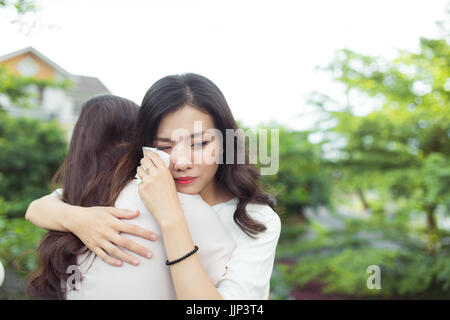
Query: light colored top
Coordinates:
[152,279]
[250,266]
[248,270]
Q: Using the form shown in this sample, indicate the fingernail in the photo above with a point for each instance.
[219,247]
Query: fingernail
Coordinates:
[118,263]
[148,254]
[153,237]
[133,213]
[135,262]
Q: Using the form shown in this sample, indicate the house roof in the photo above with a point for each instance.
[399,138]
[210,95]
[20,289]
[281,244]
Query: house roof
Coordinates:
[83,83]
[39,55]
[93,84]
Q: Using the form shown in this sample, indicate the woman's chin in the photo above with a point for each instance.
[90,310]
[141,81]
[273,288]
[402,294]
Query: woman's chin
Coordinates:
[187,189]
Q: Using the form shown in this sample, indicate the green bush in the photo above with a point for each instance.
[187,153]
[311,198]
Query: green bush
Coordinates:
[338,258]
[30,153]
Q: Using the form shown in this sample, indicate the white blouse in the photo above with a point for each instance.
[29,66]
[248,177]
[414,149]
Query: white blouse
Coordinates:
[248,262]
[152,279]
[250,266]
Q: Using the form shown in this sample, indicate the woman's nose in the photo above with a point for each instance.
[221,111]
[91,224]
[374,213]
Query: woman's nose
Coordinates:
[181,157]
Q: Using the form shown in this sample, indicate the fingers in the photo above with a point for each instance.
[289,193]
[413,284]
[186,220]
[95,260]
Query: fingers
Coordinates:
[155,158]
[148,164]
[122,213]
[132,246]
[106,258]
[142,174]
[137,231]
[151,161]
[116,252]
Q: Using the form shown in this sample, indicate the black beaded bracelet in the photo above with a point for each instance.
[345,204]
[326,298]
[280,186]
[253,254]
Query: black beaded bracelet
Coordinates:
[183,257]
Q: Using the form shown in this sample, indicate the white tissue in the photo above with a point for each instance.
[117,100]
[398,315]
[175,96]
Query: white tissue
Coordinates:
[163,155]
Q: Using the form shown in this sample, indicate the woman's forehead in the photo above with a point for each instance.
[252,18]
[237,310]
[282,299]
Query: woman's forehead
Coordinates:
[186,119]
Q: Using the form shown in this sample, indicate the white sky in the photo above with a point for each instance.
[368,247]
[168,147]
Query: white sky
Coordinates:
[261,54]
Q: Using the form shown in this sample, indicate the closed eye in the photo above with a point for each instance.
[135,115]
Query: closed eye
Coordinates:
[162,148]
[204,143]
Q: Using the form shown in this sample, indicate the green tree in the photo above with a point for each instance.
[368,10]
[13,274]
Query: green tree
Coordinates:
[30,152]
[403,147]
[20,6]
[399,154]
[301,180]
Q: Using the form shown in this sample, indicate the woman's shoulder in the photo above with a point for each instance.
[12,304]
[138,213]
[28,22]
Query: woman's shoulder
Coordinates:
[131,186]
[128,195]
[58,192]
[266,215]
[262,212]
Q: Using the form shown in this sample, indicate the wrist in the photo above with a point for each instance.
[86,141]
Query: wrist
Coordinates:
[70,218]
[171,219]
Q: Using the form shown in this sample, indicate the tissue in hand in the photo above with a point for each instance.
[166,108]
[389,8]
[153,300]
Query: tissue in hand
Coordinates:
[163,155]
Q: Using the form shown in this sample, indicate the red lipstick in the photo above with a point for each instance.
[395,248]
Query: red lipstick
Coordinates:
[185,180]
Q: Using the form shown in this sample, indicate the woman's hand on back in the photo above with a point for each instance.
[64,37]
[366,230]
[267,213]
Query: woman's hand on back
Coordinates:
[100,228]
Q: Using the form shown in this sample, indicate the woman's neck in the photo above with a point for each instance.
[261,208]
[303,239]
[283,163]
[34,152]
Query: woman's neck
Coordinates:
[214,193]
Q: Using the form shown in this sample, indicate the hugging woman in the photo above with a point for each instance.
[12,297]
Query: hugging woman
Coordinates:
[236,229]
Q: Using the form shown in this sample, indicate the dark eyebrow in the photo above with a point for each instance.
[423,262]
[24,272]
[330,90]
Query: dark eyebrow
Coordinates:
[163,139]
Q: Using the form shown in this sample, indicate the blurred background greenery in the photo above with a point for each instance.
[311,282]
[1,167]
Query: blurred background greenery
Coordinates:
[359,189]
[376,189]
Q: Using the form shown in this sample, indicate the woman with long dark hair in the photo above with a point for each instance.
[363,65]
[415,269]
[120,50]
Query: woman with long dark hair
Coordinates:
[101,137]
[172,105]
[95,158]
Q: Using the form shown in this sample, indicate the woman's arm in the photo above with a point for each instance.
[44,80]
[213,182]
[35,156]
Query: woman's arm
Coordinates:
[98,228]
[41,213]
[189,277]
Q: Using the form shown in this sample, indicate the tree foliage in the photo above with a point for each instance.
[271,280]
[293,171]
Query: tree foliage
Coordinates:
[30,152]
[301,180]
[398,153]
[20,90]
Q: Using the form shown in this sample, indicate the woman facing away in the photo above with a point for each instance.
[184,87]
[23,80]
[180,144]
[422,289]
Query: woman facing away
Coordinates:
[101,134]
[168,119]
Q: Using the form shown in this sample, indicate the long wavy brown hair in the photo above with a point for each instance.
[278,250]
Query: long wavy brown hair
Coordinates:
[168,95]
[99,139]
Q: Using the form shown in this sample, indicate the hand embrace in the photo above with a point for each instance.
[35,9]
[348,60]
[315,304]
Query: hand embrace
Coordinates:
[157,189]
[99,229]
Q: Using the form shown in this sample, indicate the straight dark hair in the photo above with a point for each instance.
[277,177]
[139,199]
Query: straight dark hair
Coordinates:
[168,95]
[103,129]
